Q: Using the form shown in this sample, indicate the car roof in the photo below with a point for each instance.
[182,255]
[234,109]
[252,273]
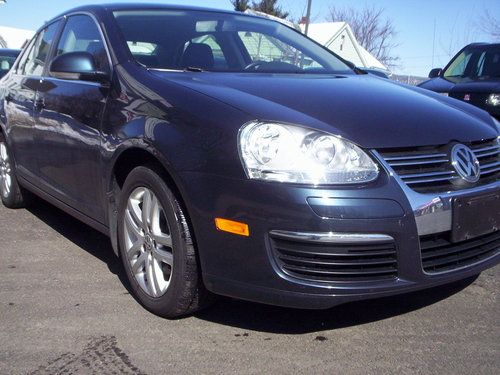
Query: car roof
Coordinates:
[482,44]
[9,51]
[134,6]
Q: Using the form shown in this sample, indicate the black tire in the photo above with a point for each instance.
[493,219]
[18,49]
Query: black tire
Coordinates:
[185,294]
[15,196]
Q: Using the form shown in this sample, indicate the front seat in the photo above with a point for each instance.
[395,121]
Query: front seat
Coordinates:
[198,55]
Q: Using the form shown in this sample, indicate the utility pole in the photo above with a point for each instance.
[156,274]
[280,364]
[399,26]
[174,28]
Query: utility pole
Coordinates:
[433,43]
[308,15]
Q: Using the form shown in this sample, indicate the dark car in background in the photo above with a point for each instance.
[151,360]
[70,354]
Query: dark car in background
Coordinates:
[7,59]
[283,177]
[472,76]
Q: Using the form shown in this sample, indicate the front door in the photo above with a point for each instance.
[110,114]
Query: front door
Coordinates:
[68,124]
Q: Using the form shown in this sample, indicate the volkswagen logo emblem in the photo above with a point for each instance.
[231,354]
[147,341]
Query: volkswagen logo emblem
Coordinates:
[465,162]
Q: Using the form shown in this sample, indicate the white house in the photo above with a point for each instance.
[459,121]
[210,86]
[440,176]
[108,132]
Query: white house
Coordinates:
[339,38]
[11,37]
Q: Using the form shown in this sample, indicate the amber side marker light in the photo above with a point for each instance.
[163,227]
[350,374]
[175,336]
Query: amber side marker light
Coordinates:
[232,227]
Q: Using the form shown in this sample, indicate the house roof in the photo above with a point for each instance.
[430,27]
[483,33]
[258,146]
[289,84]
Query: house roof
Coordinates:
[14,37]
[326,33]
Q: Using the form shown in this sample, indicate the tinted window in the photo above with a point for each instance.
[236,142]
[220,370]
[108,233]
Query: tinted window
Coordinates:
[7,60]
[475,64]
[82,35]
[222,42]
[37,57]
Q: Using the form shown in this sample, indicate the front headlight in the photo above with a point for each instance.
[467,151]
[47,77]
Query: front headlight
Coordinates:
[493,99]
[288,153]
[497,123]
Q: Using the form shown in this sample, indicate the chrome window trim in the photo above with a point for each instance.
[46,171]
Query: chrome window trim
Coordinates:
[433,211]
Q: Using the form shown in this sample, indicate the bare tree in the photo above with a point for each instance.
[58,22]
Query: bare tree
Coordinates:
[490,24]
[458,35]
[266,6]
[372,29]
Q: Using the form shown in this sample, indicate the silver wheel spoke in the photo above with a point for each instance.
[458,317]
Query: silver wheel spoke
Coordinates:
[149,275]
[131,225]
[154,214]
[3,152]
[148,243]
[155,277]
[163,256]
[133,214]
[162,239]
[135,248]
[139,263]
[146,207]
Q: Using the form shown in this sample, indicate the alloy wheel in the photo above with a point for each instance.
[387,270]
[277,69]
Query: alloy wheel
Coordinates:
[148,242]
[5,171]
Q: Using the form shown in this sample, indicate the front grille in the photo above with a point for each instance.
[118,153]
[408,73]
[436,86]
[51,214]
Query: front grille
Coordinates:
[331,262]
[439,254]
[428,169]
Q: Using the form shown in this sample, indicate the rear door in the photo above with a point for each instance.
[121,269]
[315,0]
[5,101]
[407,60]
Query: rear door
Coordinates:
[68,123]
[22,85]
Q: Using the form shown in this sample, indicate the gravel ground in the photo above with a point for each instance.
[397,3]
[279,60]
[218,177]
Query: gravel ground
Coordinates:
[65,309]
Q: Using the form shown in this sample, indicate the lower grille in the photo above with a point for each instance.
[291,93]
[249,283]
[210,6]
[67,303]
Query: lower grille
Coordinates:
[332,262]
[439,254]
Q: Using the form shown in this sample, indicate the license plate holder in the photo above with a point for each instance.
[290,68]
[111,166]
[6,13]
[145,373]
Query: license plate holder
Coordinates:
[475,215]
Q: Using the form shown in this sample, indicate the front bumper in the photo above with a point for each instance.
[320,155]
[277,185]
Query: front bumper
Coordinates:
[246,267]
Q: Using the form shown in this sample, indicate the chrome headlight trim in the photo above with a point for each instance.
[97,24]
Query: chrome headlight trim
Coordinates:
[273,151]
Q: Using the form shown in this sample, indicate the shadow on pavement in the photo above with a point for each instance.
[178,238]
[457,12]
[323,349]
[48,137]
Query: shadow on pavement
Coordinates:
[85,237]
[263,318]
[253,316]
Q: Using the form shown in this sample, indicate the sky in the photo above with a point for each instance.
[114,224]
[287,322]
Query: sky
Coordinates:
[430,32]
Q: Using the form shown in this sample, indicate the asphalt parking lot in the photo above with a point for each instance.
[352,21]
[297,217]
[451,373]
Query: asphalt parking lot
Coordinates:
[64,309]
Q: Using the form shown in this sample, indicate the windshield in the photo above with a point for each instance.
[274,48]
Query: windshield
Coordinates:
[220,42]
[475,64]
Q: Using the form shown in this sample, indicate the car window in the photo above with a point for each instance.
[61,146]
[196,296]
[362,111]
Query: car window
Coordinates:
[24,56]
[474,64]
[266,48]
[222,42]
[36,58]
[220,62]
[81,34]
[6,62]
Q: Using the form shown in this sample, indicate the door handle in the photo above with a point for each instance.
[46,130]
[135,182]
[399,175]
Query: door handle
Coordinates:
[39,104]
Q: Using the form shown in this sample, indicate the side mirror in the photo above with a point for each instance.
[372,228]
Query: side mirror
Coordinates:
[436,72]
[77,66]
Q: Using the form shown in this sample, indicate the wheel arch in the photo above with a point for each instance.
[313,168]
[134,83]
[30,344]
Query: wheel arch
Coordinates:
[126,158]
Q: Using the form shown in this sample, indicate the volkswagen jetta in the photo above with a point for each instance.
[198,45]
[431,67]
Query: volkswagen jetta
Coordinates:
[229,154]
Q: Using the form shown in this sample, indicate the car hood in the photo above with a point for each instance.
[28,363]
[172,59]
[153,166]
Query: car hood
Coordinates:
[437,84]
[371,112]
[443,85]
[486,87]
